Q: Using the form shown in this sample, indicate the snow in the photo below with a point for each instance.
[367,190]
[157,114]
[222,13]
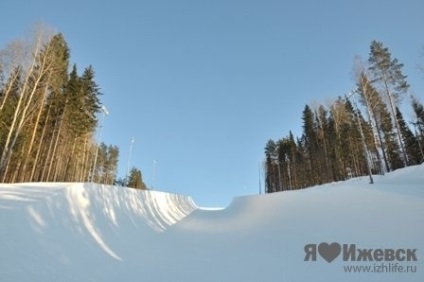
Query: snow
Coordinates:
[90,232]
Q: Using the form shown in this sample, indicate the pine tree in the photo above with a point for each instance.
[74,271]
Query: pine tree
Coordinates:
[409,141]
[352,150]
[135,179]
[312,170]
[272,167]
[300,179]
[270,147]
[388,75]
[418,109]
[418,123]
[293,163]
[334,149]
[323,142]
[284,160]
[392,146]
[47,115]
[111,164]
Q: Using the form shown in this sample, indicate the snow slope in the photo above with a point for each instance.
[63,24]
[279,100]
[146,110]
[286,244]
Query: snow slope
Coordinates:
[86,232]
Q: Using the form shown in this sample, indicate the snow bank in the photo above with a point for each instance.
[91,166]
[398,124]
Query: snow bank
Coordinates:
[85,232]
[60,231]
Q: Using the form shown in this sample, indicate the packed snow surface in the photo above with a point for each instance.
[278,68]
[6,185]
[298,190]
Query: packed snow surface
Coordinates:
[90,232]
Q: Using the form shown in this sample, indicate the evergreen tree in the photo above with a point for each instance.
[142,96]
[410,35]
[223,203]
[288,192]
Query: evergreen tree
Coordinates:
[284,155]
[388,75]
[293,163]
[310,141]
[334,149]
[135,179]
[119,182]
[301,181]
[418,109]
[48,115]
[392,146]
[354,152]
[418,123]
[272,178]
[91,101]
[111,164]
[270,147]
[409,140]
[323,143]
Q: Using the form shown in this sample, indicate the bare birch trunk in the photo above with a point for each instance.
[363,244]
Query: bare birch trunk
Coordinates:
[34,131]
[19,117]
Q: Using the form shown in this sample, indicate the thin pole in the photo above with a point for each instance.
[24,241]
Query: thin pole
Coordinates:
[129,162]
[105,113]
[259,174]
[153,173]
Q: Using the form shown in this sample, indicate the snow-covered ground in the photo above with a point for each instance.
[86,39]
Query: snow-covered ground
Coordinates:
[85,232]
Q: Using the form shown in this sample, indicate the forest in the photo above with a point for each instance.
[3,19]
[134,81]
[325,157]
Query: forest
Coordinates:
[361,133]
[49,114]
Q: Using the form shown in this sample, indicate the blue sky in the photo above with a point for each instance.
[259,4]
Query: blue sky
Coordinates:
[202,85]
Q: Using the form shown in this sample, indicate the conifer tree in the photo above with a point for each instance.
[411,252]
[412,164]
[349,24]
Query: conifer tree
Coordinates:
[409,140]
[333,151]
[418,109]
[284,156]
[323,142]
[388,76]
[48,115]
[310,139]
[353,154]
[392,147]
[418,123]
[271,167]
[135,179]
[293,164]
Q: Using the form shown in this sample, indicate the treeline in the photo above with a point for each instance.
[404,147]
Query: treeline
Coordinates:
[49,115]
[348,138]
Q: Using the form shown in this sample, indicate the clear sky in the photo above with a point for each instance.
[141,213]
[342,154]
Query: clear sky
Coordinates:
[202,85]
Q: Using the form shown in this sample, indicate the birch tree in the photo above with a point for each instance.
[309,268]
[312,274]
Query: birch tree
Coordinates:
[57,53]
[38,66]
[371,99]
